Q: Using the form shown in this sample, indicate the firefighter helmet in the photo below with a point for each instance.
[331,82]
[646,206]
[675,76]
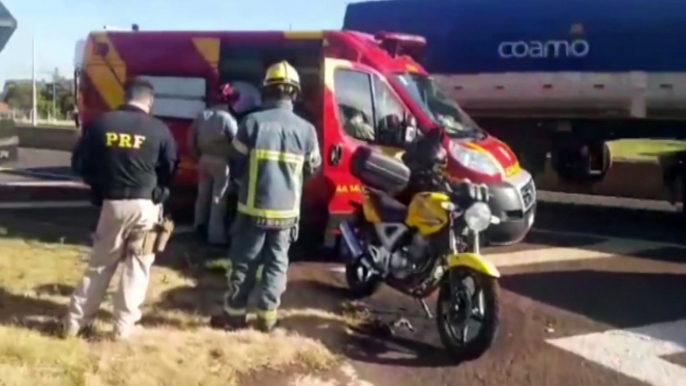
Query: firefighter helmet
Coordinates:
[282,73]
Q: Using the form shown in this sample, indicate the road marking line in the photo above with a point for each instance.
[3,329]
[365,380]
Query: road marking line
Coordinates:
[39,174]
[634,352]
[658,244]
[64,183]
[348,372]
[44,204]
[602,250]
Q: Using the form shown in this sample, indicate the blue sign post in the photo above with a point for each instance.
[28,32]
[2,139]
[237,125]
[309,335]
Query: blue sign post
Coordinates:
[8,24]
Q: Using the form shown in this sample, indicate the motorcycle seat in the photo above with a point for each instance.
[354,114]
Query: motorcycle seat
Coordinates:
[389,209]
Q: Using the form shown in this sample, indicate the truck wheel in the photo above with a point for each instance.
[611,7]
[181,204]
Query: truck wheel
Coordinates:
[533,162]
[583,163]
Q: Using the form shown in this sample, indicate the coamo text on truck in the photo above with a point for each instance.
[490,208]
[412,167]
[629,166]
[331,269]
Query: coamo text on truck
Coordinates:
[544,49]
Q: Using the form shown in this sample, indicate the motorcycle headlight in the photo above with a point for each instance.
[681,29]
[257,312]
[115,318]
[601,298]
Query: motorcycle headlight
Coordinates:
[478,216]
[474,160]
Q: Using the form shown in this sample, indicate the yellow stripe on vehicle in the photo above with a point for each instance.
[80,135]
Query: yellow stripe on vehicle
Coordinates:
[490,156]
[514,169]
[303,35]
[330,66]
[209,49]
[412,68]
[394,152]
[106,74]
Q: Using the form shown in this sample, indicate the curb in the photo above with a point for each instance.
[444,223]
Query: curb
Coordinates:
[47,137]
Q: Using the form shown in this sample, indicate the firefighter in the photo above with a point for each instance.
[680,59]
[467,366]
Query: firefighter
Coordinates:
[276,151]
[129,159]
[209,143]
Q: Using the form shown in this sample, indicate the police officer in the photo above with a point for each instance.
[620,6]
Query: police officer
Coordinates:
[209,143]
[275,151]
[129,159]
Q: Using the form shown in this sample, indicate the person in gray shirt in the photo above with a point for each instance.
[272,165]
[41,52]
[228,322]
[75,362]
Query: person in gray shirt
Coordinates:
[209,143]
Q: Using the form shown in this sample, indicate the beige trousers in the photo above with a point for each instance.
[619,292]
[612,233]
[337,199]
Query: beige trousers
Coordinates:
[211,203]
[117,219]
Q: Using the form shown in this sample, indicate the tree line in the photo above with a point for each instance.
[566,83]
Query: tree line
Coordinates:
[54,99]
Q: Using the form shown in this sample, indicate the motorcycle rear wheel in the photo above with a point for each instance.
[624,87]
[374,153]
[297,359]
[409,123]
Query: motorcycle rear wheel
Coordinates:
[455,309]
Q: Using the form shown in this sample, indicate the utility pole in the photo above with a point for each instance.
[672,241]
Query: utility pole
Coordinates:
[34,110]
[55,77]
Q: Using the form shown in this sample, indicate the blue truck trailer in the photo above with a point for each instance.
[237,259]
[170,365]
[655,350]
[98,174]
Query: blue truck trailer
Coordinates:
[571,75]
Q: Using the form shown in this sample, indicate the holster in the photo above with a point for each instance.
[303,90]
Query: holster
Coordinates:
[163,231]
[150,241]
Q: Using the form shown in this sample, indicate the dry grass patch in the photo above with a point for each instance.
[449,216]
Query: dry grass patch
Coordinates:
[36,280]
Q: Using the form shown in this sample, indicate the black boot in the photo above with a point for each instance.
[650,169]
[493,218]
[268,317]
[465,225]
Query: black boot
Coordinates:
[227,322]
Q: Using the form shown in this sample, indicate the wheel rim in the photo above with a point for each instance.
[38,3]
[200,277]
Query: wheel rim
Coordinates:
[463,312]
[362,274]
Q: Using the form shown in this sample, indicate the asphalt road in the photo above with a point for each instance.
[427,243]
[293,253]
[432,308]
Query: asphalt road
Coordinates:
[613,269]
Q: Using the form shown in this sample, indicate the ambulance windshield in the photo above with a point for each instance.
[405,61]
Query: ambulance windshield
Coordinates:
[445,112]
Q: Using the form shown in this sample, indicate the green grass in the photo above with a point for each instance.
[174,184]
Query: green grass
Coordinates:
[175,348]
[644,149]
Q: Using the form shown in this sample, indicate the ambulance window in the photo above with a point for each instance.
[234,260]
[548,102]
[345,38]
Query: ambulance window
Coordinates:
[389,110]
[355,106]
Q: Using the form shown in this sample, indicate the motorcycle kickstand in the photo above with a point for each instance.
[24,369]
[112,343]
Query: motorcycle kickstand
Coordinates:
[425,306]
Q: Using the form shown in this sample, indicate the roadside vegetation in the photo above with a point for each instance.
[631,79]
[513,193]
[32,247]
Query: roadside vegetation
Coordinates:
[644,149]
[175,347]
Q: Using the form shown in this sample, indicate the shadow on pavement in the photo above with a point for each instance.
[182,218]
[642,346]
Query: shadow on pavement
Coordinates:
[44,193]
[312,307]
[57,225]
[653,225]
[620,299]
[45,173]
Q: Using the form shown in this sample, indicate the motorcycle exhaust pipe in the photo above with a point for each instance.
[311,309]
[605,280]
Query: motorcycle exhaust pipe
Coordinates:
[351,240]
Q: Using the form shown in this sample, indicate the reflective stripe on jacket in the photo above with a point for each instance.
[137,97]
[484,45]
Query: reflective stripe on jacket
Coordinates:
[277,150]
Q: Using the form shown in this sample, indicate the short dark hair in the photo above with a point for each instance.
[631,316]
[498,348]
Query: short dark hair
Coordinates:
[139,89]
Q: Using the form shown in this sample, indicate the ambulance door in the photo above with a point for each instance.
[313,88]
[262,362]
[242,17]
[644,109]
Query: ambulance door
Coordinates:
[352,117]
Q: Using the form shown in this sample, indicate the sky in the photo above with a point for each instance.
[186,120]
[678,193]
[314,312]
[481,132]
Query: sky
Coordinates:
[58,24]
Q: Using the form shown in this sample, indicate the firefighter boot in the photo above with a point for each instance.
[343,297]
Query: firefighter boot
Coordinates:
[266,321]
[228,322]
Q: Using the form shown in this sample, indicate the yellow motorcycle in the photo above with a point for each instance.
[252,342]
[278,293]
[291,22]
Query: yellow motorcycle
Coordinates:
[431,243]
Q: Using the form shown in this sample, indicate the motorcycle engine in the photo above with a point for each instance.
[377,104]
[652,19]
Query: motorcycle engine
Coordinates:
[410,259]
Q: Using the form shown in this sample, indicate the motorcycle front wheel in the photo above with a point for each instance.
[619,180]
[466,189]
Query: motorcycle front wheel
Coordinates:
[361,282]
[468,313]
